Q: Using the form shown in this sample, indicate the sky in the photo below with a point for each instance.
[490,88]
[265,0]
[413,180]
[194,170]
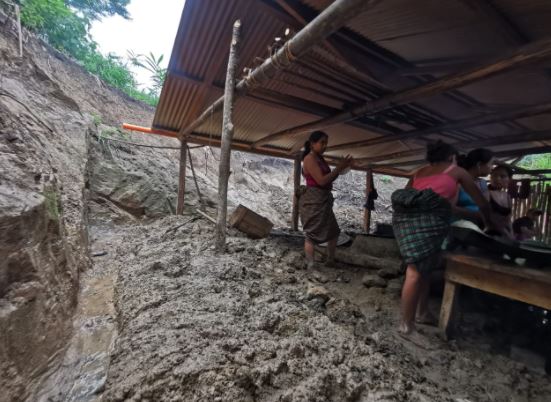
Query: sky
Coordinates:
[152,28]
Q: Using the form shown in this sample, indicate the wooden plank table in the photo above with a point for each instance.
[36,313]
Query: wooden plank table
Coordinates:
[527,285]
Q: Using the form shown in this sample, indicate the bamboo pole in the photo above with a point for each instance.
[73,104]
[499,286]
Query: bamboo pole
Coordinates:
[296,187]
[525,55]
[499,154]
[327,22]
[182,178]
[367,211]
[543,135]
[227,137]
[510,115]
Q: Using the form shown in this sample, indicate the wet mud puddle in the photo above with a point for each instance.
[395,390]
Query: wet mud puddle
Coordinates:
[83,371]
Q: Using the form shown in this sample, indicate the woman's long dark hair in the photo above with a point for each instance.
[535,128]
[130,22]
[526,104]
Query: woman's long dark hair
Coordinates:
[473,158]
[314,137]
[440,151]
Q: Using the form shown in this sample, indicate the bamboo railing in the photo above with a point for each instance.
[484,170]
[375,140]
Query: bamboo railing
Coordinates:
[540,198]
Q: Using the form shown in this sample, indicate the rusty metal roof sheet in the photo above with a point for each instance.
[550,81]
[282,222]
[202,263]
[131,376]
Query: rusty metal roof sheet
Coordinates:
[404,39]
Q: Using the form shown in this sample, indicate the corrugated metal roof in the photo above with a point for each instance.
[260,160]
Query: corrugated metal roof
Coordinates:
[428,33]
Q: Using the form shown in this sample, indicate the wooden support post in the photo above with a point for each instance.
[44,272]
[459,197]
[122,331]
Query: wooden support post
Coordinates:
[182,178]
[201,201]
[227,136]
[19,32]
[296,186]
[447,309]
[367,211]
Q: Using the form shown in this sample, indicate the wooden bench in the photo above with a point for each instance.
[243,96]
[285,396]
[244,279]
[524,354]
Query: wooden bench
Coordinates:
[527,285]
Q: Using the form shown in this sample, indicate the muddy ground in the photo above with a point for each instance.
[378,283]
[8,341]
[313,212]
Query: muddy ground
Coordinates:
[253,325]
[160,316]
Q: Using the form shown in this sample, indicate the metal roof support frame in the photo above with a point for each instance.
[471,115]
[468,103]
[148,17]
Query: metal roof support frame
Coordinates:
[525,55]
[532,110]
[327,22]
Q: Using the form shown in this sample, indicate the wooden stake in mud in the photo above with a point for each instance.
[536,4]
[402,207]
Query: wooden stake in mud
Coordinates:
[19,33]
[296,186]
[182,178]
[367,211]
[227,136]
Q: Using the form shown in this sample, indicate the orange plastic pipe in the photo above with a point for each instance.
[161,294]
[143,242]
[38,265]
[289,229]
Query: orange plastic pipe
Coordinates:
[149,130]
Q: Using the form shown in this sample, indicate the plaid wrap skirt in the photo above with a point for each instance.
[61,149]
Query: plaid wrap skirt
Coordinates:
[421,223]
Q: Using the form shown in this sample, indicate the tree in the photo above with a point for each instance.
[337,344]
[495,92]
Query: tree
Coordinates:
[65,25]
[54,21]
[153,65]
[96,9]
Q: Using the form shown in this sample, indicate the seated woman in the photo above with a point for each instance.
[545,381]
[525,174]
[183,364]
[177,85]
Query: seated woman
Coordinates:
[500,200]
[421,220]
[316,200]
[478,163]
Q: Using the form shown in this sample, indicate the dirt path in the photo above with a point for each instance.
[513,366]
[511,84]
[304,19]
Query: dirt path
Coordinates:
[251,325]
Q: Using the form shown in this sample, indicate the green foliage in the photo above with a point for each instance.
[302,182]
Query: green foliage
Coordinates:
[386,179]
[67,31]
[110,69]
[149,98]
[52,203]
[58,25]
[542,161]
[96,9]
[96,119]
[153,65]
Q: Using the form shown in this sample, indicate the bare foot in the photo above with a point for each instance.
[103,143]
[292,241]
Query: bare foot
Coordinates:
[330,263]
[406,328]
[417,339]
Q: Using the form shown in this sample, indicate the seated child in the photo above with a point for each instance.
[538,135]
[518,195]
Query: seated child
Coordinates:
[523,229]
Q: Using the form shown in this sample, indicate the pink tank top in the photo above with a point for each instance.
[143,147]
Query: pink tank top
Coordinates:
[325,169]
[442,184]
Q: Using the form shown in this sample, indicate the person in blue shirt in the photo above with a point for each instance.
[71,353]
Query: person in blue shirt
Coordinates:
[478,163]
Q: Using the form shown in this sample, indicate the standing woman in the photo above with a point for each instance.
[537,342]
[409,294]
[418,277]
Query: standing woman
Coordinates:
[316,200]
[421,221]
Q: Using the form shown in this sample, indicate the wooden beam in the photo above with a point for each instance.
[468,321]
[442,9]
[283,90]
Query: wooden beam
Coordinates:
[227,138]
[532,110]
[290,102]
[531,136]
[296,187]
[518,283]
[390,171]
[523,56]
[330,20]
[534,171]
[182,178]
[499,154]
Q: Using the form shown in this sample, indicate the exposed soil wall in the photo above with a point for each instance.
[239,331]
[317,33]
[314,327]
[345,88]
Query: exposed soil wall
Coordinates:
[47,105]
